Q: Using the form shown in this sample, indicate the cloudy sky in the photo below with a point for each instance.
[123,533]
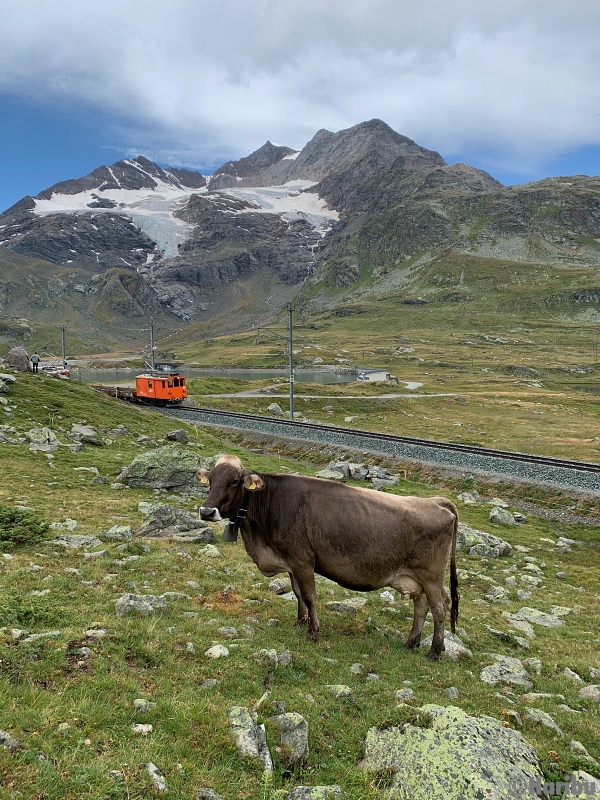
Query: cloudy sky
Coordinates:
[512,87]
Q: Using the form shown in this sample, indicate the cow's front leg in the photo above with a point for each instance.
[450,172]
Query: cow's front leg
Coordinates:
[420,608]
[305,581]
[302,609]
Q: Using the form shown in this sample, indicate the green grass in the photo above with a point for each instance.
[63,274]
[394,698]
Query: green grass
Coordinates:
[48,682]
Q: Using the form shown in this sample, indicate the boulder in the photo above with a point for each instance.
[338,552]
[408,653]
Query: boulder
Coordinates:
[542,718]
[178,435]
[536,617]
[275,409]
[481,543]
[506,670]
[501,516]
[18,359]
[168,467]
[470,498]
[590,693]
[459,756]
[293,737]
[85,434]
[163,520]
[42,438]
[5,377]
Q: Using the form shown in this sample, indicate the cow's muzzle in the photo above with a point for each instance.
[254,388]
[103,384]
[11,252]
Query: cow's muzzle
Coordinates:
[210,514]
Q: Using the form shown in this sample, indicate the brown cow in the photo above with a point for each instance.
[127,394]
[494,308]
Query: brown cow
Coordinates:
[361,539]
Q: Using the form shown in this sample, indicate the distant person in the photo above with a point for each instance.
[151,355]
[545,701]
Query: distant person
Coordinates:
[35,360]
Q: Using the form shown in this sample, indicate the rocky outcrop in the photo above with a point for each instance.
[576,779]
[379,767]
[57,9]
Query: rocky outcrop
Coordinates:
[17,358]
[163,520]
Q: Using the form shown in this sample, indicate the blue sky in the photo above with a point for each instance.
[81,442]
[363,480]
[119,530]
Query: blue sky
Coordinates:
[511,88]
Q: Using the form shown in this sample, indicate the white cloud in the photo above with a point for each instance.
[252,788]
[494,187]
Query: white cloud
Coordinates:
[196,80]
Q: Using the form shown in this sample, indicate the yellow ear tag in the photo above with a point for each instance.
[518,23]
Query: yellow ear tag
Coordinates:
[204,479]
[252,486]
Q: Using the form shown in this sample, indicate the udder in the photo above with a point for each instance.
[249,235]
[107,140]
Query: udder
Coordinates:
[406,584]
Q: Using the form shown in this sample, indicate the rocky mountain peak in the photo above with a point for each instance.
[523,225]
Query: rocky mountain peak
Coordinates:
[258,161]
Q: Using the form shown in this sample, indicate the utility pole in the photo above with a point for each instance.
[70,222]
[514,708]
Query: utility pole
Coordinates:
[64,349]
[152,345]
[291,339]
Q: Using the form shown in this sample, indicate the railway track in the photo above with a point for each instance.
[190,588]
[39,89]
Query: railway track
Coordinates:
[581,475]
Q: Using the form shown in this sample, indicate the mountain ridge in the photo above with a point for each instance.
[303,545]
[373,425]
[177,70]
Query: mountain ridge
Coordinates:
[226,251]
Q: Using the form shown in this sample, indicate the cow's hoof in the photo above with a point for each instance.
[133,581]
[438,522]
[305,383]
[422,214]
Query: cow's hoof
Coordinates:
[300,623]
[312,635]
[432,655]
[412,643]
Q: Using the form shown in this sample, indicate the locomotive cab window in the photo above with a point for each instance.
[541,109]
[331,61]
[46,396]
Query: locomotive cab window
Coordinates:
[163,384]
[149,384]
[170,384]
[176,381]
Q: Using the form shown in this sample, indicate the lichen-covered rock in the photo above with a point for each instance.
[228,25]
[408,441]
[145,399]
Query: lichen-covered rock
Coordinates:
[496,594]
[163,520]
[76,540]
[250,738]
[330,474]
[144,604]
[481,543]
[459,756]
[506,670]
[293,737]
[340,691]
[118,533]
[168,467]
[316,793]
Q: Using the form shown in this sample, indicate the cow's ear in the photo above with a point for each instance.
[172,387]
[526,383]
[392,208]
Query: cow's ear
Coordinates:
[202,475]
[254,482]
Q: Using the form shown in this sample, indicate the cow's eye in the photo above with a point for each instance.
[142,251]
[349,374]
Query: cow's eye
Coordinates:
[234,483]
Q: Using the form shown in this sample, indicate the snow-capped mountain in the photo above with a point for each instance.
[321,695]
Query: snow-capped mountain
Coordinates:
[228,250]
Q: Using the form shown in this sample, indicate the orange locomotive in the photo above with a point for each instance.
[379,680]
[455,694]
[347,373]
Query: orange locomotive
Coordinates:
[157,388]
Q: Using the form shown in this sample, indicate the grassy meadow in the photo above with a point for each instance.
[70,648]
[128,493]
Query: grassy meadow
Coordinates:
[48,682]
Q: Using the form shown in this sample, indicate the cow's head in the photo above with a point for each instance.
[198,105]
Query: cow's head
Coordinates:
[228,480]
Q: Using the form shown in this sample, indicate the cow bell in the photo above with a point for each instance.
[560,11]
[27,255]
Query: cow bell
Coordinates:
[229,533]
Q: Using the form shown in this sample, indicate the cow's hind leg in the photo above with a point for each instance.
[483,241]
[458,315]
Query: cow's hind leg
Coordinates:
[302,609]
[437,598]
[420,608]
[305,583]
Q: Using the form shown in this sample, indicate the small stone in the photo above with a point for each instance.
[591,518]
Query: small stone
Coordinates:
[356,669]
[452,692]
[404,694]
[573,675]
[577,747]
[535,664]
[454,648]
[501,516]
[218,651]
[208,794]
[85,651]
[562,576]
[341,691]
[142,706]
[496,594]
[96,633]
[590,693]
[506,670]
[387,597]
[344,607]
[159,783]
[229,633]
[372,676]
[316,793]
[273,623]
[141,729]
[541,717]
[209,683]
[523,595]
[293,737]
[280,585]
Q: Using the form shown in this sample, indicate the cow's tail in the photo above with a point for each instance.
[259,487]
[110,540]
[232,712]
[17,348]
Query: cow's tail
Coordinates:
[454,595]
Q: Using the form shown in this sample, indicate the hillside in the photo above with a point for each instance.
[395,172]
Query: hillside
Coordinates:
[72,696]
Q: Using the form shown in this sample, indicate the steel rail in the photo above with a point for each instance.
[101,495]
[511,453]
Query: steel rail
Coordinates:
[537,469]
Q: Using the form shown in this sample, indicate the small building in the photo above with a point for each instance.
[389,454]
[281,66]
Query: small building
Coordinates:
[364,374]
